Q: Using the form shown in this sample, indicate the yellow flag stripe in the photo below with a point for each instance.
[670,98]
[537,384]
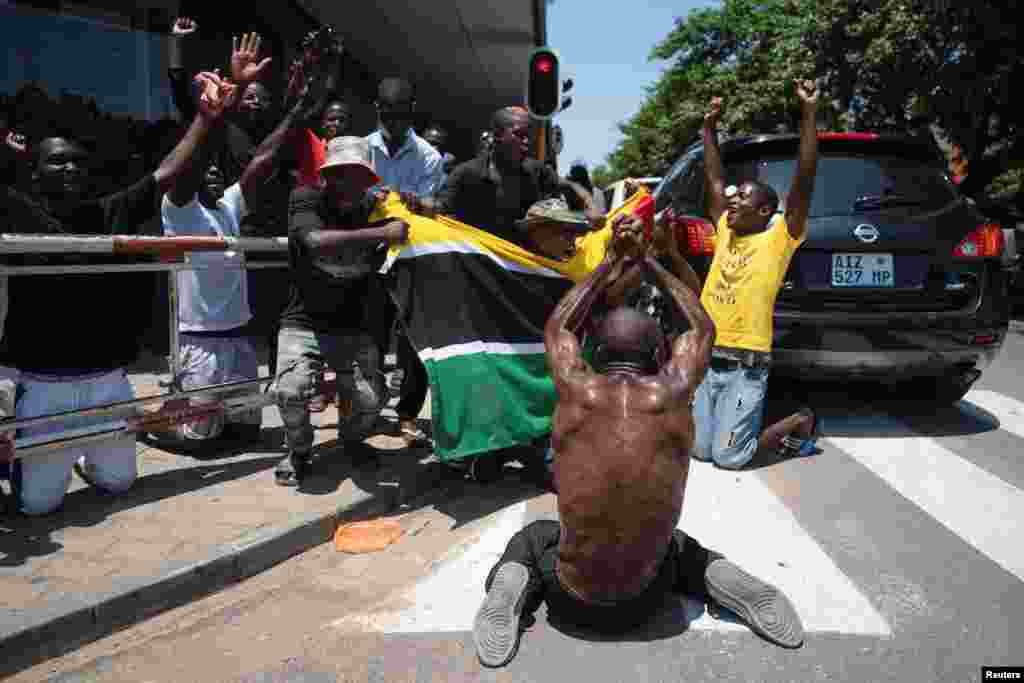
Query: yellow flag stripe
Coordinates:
[444,234]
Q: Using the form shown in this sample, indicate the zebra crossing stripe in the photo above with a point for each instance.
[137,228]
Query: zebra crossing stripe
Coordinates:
[977,506]
[736,514]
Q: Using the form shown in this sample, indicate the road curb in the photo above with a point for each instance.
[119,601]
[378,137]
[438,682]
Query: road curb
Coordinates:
[38,635]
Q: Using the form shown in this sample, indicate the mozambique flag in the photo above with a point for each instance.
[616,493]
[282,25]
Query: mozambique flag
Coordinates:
[475,307]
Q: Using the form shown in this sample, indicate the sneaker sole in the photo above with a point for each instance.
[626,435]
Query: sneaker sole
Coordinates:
[496,626]
[763,607]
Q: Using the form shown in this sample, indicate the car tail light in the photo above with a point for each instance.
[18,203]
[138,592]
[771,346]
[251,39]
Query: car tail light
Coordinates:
[986,241]
[696,234]
[847,136]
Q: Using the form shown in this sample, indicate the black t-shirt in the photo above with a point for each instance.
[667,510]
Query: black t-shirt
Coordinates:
[334,293]
[477,195]
[81,323]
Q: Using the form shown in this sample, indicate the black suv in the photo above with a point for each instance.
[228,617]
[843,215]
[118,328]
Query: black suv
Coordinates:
[899,280]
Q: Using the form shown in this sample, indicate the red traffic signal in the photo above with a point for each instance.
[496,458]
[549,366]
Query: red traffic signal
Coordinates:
[543,85]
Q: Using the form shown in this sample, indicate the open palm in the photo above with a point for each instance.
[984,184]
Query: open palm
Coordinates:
[246,65]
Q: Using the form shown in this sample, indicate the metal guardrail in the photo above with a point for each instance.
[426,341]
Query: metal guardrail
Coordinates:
[118,245]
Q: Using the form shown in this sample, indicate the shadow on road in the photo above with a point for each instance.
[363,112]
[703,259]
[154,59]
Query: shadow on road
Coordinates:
[24,537]
[673,620]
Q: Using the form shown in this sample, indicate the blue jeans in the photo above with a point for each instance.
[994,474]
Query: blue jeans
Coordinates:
[41,480]
[728,410]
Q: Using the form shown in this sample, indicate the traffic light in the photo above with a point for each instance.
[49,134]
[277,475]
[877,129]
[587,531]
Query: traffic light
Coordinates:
[543,84]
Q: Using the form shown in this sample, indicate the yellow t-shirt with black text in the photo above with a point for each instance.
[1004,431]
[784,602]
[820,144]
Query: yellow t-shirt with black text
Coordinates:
[744,280]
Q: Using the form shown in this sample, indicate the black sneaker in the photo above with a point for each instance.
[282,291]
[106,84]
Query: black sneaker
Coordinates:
[292,469]
[496,629]
[763,607]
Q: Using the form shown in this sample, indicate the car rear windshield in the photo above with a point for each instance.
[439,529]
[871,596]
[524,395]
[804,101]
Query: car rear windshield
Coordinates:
[848,183]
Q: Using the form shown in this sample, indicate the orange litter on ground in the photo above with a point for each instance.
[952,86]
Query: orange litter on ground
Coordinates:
[366,537]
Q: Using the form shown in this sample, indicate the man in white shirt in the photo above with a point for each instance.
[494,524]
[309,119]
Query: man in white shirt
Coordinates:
[213,301]
[213,308]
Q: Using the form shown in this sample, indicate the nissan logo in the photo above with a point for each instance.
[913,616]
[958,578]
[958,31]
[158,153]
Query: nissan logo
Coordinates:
[866,233]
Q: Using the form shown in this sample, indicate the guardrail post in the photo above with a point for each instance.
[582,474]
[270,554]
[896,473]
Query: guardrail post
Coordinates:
[174,359]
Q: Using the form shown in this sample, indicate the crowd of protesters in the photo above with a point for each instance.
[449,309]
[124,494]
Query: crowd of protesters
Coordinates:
[623,349]
[232,166]
[249,159]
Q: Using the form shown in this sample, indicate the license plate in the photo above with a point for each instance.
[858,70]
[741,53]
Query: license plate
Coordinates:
[863,270]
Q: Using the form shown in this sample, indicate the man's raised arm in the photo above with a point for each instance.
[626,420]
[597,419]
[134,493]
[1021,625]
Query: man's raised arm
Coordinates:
[215,97]
[560,340]
[182,31]
[311,100]
[798,203]
[692,350]
[713,170]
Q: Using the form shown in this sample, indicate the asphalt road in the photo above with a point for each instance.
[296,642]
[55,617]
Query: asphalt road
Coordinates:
[901,544]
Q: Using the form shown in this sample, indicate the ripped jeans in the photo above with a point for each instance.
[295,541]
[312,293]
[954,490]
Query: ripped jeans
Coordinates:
[302,356]
[728,410]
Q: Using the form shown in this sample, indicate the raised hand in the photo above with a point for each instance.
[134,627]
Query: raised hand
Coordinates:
[246,66]
[627,238]
[16,143]
[714,113]
[184,26]
[215,94]
[807,93]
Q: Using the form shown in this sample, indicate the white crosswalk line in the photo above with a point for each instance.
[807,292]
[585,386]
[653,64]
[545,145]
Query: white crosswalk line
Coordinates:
[733,513]
[1008,411]
[736,514]
[980,508]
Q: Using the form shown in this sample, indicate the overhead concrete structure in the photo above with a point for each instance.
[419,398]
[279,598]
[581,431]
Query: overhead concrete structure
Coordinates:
[466,57]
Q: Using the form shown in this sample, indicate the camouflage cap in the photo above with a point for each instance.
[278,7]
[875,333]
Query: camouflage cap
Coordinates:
[554,211]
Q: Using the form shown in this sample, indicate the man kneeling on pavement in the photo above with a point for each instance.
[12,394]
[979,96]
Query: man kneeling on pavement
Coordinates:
[623,434]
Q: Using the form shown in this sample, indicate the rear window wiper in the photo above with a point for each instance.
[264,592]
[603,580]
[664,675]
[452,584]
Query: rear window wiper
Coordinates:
[874,201]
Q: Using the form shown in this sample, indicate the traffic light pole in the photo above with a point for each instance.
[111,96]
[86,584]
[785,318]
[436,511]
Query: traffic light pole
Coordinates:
[542,140]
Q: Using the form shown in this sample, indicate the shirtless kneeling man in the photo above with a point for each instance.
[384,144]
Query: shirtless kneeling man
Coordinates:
[623,433]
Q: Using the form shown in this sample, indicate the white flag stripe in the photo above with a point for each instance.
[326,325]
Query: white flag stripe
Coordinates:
[497,348]
[977,506]
[1008,411]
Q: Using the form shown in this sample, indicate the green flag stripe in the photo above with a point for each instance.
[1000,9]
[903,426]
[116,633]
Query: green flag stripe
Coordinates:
[471,407]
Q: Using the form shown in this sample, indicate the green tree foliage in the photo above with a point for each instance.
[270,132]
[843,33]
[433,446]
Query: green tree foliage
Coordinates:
[911,66]
[746,50]
[601,176]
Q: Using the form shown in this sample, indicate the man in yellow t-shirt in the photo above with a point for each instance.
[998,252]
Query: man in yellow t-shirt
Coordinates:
[754,245]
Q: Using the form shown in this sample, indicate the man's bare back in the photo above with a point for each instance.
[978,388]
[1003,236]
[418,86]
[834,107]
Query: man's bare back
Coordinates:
[622,434]
[623,447]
